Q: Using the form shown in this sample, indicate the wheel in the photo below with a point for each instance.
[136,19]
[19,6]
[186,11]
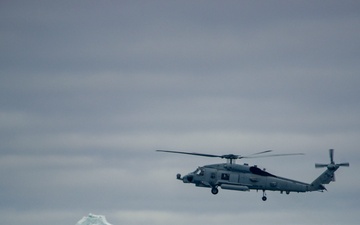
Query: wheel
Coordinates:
[264,196]
[214,190]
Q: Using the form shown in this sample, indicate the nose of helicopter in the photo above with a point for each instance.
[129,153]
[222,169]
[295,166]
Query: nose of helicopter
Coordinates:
[188,178]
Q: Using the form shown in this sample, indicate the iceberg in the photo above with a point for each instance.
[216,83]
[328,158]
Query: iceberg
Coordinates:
[92,219]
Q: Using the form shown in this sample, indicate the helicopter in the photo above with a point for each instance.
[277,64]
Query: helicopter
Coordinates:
[232,176]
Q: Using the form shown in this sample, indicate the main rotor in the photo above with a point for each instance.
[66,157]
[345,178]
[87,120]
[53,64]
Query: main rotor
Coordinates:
[231,158]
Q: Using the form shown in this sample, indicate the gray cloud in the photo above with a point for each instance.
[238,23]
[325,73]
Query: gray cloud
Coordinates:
[88,91]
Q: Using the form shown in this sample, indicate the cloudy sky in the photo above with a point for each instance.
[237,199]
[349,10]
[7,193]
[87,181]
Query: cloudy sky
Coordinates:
[89,89]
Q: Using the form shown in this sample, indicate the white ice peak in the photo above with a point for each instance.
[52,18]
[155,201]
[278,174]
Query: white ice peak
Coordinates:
[92,219]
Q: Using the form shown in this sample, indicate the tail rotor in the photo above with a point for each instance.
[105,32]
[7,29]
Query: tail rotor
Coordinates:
[331,153]
[328,175]
[332,166]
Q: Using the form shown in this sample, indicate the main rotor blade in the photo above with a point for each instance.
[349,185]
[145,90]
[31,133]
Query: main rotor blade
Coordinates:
[343,164]
[258,153]
[231,156]
[273,155]
[190,153]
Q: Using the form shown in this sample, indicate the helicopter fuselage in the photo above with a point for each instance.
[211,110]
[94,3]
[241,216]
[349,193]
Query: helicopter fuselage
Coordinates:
[243,178]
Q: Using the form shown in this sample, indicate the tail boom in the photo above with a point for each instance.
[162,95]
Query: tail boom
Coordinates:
[325,178]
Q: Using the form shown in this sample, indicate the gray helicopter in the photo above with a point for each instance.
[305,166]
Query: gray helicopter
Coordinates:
[232,176]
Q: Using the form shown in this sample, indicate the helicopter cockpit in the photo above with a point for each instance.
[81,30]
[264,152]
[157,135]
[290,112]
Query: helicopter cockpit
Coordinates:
[189,178]
[199,171]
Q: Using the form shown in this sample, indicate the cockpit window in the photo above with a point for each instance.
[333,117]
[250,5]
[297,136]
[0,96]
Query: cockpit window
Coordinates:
[199,171]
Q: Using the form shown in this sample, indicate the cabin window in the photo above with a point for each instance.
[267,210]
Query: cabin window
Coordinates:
[213,175]
[225,176]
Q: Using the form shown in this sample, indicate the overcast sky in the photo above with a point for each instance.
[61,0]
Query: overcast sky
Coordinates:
[90,89]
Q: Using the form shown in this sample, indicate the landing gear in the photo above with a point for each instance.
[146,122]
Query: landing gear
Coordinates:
[264,198]
[214,190]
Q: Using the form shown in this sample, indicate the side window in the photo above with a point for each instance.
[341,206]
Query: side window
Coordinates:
[213,175]
[225,176]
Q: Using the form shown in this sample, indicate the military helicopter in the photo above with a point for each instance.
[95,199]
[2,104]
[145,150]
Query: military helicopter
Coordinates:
[232,176]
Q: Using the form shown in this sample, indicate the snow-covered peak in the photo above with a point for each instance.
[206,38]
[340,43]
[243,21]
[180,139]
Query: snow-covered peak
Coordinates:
[92,219]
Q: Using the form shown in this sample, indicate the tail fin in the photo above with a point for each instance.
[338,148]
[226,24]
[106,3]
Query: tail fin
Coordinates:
[328,175]
[325,178]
